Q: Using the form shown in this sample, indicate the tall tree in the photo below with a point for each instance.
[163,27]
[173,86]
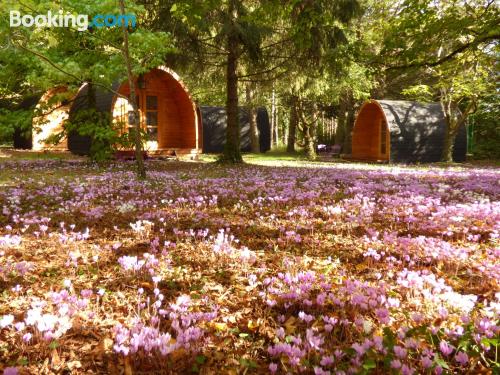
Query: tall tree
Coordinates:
[293,124]
[141,171]
[257,41]
[454,44]
[252,117]
[72,57]
[222,33]
[320,33]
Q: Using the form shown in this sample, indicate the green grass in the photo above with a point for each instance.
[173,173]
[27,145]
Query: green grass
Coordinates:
[275,155]
[10,154]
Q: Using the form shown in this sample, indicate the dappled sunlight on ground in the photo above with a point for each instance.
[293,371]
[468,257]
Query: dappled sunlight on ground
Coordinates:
[303,268]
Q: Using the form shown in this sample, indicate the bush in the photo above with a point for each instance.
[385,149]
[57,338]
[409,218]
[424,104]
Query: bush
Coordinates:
[486,131]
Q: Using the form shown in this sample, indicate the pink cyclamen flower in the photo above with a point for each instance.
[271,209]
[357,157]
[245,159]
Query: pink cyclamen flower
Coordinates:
[86,293]
[417,318]
[305,317]
[426,362]
[327,361]
[10,371]
[400,352]
[462,358]
[273,367]
[320,371]
[395,363]
[445,348]
[27,337]
[406,370]
[360,350]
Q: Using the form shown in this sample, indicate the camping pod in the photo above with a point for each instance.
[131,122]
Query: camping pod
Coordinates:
[403,132]
[51,112]
[89,96]
[167,114]
[214,121]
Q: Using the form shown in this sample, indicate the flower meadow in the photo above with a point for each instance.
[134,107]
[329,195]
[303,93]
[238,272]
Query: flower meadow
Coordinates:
[202,268]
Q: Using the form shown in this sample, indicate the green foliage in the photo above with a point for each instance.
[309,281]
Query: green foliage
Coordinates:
[486,130]
[422,93]
[56,56]
[10,120]
[96,125]
[329,53]
[450,50]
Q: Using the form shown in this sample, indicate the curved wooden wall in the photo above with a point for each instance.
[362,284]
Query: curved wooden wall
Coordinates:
[178,128]
[368,132]
[51,122]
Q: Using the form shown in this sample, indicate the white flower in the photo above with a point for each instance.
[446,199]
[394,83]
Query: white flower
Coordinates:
[6,320]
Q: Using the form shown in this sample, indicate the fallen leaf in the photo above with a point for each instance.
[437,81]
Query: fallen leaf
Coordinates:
[55,360]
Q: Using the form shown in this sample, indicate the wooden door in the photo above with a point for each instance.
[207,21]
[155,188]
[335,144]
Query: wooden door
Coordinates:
[151,116]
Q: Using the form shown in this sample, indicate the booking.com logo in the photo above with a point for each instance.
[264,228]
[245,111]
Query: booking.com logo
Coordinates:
[80,22]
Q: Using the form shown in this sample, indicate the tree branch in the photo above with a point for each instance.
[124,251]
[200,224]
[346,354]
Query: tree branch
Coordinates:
[448,57]
[77,79]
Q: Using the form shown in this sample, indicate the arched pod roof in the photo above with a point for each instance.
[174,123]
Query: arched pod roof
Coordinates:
[416,131]
[214,122]
[176,112]
[50,113]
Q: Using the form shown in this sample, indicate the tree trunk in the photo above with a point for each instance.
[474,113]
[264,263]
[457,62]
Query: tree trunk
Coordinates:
[276,128]
[349,124]
[252,118]
[232,153]
[273,117]
[285,133]
[340,131]
[292,127]
[91,100]
[454,120]
[453,124]
[310,135]
[449,138]
[141,170]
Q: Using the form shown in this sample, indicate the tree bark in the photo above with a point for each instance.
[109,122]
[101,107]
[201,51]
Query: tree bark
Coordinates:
[349,124]
[276,128]
[292,127]
[141,170]
[273,117]
[448,146]
[340,131]
[232,153]
[310,135]
[454,121]
[252,118]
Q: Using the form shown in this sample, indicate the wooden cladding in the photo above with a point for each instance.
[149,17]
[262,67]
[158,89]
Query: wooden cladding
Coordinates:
[383,137]
[51,121]
[166,111]
[370,138]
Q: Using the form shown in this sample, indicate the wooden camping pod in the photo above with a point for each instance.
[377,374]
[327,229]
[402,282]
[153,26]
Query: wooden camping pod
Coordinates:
[50,121]
[402,131]
[167,112]
[214,122]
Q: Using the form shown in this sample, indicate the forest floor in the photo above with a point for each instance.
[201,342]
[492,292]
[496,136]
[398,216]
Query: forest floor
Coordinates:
[276,266]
